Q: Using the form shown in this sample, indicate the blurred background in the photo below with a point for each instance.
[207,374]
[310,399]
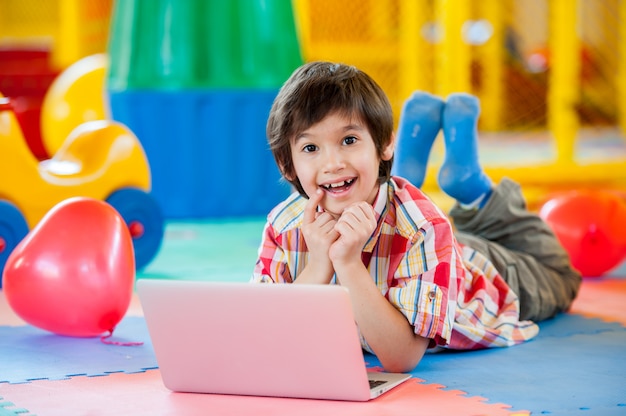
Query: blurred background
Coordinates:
[194,80]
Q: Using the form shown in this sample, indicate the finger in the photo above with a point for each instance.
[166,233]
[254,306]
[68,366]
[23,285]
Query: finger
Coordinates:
[310,209]
[358,216]
[322,218]
[367,211]
[348,222]
[358,212]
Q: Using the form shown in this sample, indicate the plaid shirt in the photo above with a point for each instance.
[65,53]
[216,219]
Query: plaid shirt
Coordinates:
[448,292]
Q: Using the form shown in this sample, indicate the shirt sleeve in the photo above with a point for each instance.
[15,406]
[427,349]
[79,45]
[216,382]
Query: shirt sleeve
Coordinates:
[271,264]
[424,286]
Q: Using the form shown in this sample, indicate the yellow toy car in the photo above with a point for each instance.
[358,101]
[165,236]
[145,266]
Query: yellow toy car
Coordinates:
[99,159]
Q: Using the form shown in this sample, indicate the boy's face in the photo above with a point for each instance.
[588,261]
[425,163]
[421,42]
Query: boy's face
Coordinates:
[338,155]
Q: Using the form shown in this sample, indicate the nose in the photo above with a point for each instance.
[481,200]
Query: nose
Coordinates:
[333,161]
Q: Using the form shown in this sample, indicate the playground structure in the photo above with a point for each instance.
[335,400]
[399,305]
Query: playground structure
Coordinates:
[550,70]
[550,74]
[38,40]
[100,159]
[69,29]
[58,141]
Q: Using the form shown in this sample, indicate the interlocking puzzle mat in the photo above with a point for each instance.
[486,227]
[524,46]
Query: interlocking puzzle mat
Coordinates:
[9,409]
[28,353]
[575,366]
[144,394]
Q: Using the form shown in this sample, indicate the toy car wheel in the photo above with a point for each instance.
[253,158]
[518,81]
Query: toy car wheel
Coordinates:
[13,228]
[144,219]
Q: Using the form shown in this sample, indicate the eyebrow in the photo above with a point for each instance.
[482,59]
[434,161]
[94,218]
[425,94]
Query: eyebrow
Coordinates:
[344,129]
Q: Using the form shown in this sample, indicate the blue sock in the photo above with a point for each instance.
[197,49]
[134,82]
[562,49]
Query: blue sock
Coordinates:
[461,175]
[420,122]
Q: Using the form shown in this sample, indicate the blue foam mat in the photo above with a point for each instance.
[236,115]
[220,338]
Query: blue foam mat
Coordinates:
[575,366]
[28,353]
[9,409]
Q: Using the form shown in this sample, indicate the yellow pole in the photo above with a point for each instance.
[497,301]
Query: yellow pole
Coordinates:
[453,54]
[564,78]
[66,49]
[621,73]
[412,49]
[492,64]
[302,17]
[381,18]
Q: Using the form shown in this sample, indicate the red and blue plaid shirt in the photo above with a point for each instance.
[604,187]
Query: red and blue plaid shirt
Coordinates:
[448,292]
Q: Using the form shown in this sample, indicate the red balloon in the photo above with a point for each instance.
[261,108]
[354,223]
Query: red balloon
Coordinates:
[73,274]
[591,225]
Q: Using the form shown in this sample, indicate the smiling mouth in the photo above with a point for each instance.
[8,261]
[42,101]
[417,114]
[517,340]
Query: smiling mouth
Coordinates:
[338,186]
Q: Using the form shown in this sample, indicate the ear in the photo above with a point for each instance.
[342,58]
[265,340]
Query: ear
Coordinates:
[389,149]
[285,174]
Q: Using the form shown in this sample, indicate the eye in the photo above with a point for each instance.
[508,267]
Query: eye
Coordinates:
[309,148]
[349,140]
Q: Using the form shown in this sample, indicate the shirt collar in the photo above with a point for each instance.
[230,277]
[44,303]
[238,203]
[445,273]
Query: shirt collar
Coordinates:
[380,209]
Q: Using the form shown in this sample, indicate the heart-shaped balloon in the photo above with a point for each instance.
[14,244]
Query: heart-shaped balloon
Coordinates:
[591,225]
[73,274]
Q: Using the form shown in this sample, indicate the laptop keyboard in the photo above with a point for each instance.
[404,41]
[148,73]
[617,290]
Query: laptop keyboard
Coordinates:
[376,383]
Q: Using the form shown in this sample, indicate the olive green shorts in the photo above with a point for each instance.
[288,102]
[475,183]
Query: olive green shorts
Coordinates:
[523,249]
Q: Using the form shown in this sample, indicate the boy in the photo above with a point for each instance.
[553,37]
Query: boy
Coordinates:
[414,285]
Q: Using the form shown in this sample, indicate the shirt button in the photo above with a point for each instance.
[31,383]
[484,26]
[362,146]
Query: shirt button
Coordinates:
[432,295]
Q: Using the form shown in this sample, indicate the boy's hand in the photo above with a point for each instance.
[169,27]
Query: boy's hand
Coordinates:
[355,226]
[318,229]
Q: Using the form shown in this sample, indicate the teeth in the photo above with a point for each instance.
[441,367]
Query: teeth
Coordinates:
[338,184]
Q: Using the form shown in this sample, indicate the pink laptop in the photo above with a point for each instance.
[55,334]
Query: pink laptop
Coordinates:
[276,340]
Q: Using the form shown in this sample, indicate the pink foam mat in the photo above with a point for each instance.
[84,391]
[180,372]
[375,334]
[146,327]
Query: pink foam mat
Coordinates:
[600,300]
[144,394]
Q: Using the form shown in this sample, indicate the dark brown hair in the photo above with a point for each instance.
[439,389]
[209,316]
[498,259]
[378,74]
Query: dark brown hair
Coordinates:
[316,90]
